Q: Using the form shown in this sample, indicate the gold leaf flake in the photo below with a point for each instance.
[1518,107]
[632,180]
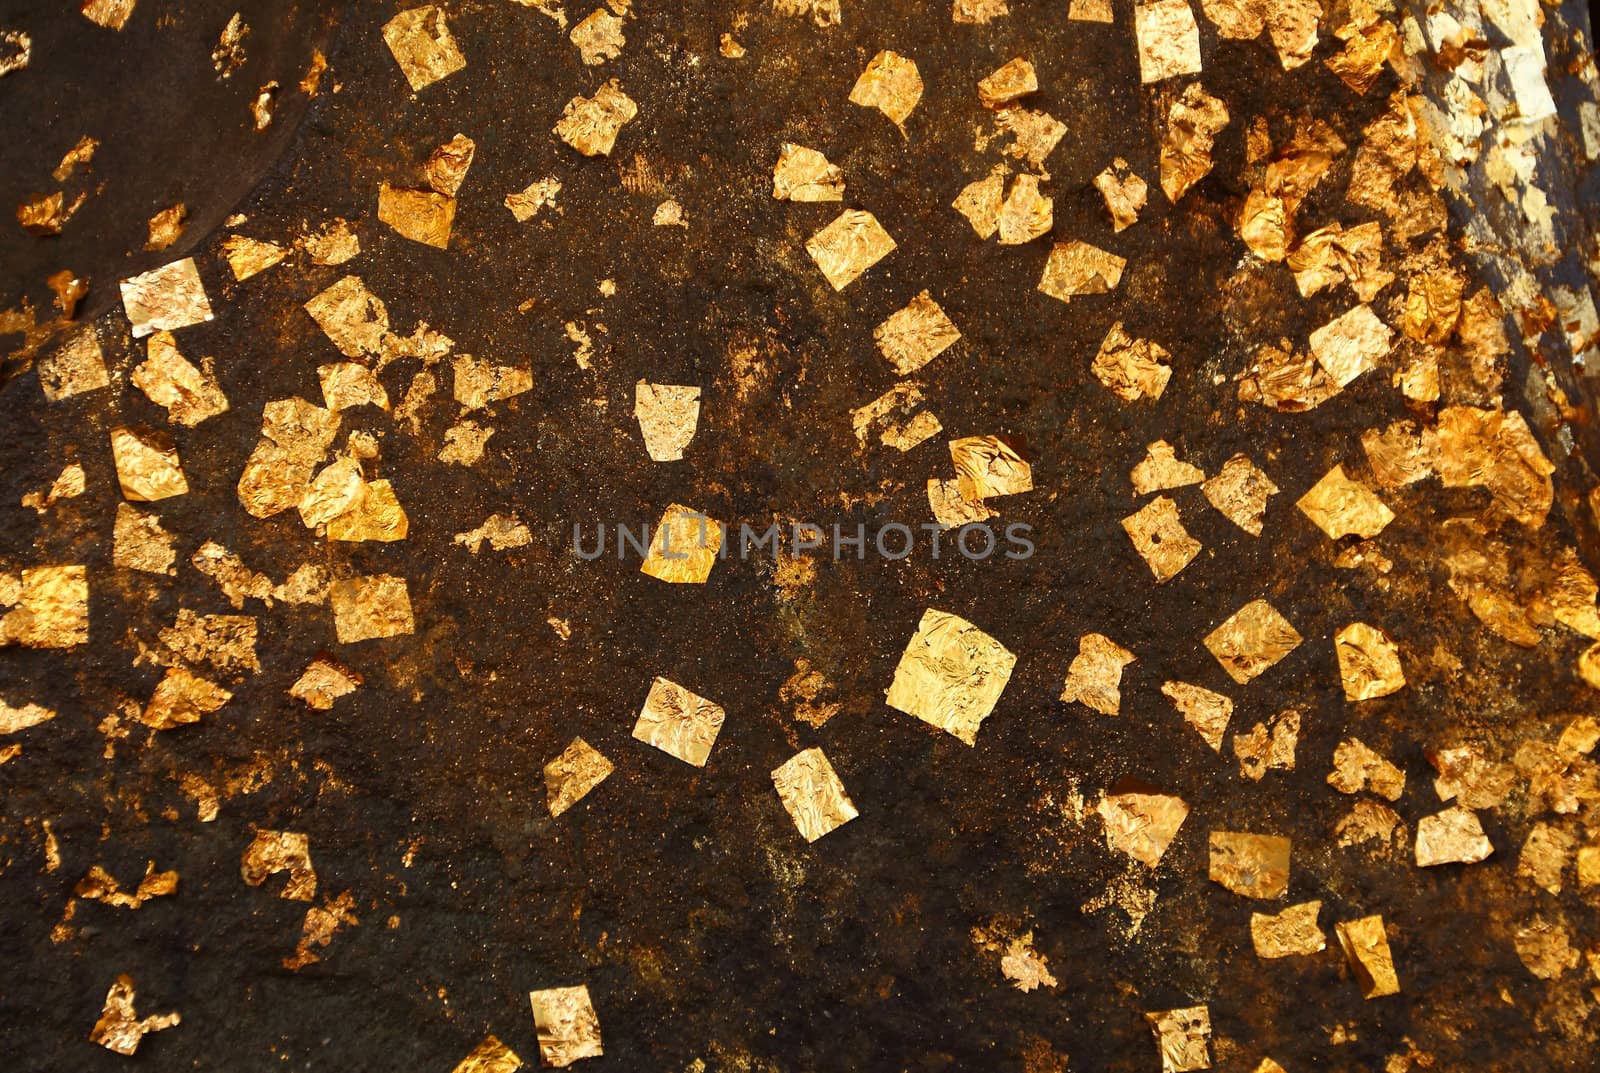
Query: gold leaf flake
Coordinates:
[478,383]
[1350,344]
[1543,858]
[81,153]
[950,675]
[147,465]
[591,124]
[490,1056]
[1025,967]
[1207,712]
[422,45]
[1545,948]
[598,37]
[366,608]
[1034,135]
[903,398]
[1251,640]
[70,484]
[120,1028]
[803,174]
[1366,947]
[1589,866]
[464,443]
[324,681]
[569,777]
[1268,747]
[423,216]
[1401,454]
[13,720]
[678,722]
[1013,80]
[1286,381]
[166,226]
[181,698]
[165,298]
[1139,821]
[1453,836]
[1470,777]
[354,319]
[981,199]
[915,334]
[1340,507]
[1182,1036]
[1333,253]
[16,49]
[46,214]
[1369,662]
[1291,933]
[321,924]
[1077,268]
[1253,866]
[1264,226]
[684,548]
[539,194]
[1169,40]
[979,12]
[171,381]
[446,167]
[1160,539]
[669,214]
[227,642]
[824,13]
[334,244]
[261,109]
[567,1024]
[1495,449]
[812,793]
[501,531]
[903,437]
[891,84]
[1193,123]
[1089,11]
[1292,28]
[988,466]
[51,608]
[295,435]
[1240,492]
[1124,192]
[667,416]
[1095,676]
[730,48]
[951,508]
[101,886]
[248,257]
[77,366]
[1372,823]
[1366,48]
[1357,767]
[347,384]
[848,246]
[1161,470]
[1026,214]
[228,55]
[271,852]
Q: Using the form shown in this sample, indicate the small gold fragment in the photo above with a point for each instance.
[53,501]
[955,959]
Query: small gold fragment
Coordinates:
[75,367]
[1401,454]
[334,244]
[803,174]
[423,216]
[1544,856]
[165,298]
[166,226]
[1268,746]
[14,720]
[1357,767]
[271,852]
[527,202]
[490,1056]
[181,698]
[147,465]
[915,334]
[1193,123]
[1350,344]
[1291,933]
[1366,947]
[667,416]
[446,167]
[1077,268]
[567,1024]
[500,530]
[1160,539]
[598,37]
[120,1028]
[678,722]
[478,383]
[1026,214]
[989,466]
[980,12]
[591,124]
[348,384]
[848,246]
[569,777]
[1182,1036]
[891,84]
[1495,449]
[1160,470]
[1253,866]
[1545,948]
[1095,677]
[422,45]
[1453,836]
[227,642]
[1013,80]
[367,608]
[1240,492]
[1139,821]
[248,257]
[980,201]
[684,548]
[324,681]
[1340,507]
[464,443]
[1124,192]
[170,380]
[1251,640]
[51,607]
[812,793]
[950,675]
[1207,712]
[1369,662]
[951,508]
[1169,40]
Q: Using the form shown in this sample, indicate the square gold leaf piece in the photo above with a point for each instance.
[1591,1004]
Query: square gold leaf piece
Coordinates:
[951,674]
[679,722]
[850,245]
[1253,639]
[567,1024]
[810,789]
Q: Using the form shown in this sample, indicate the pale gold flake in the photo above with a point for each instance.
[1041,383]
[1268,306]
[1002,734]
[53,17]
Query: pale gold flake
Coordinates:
[1240,492]
[1124,192]
[1077,268]
[1453,836]
[348,384]
[539,194]
[77,366]
[1401,454]
[334,244]
[591,124]
[1182,1036]
[147,465]
[423,46]
[423,216]
[1193,123]
[1014,80]
[1250,865]
[679,722]
[1139,821]
[1341,507]
[165,298]
[262,108]
[1264,226]
[988,466]
[567,1024]
[569,777]
[120,1028]
[295,435]
[1495,449]
[1160,539]
[1034,135]
[903,437]
[464,443]
[598,37]
[366,608]
[1350,344]
[1544,857]
[803,174]
[227,642]
[981,199]
[729,48]
[324,681]
[1160,470]
[271,852]
[16,50]
[668,415]
[170,380]
[1470,778]
[669,214]
[950,675]
[1169,40]
[182,697]
[248,257]
[1369,662]
[915,334]
[47,214]
[1366,947]
[69,484]
[51,607]
[812,794]
[891,84]
[15,720]
[1025,967]
[1291,933]
[166,227]
[951,508]
[824,13]
[1026,214]
[478,383]
[1268,747]
[228,55]
[1357,767]
[1095,677]
[490,1056]
[1371,823]
[1207,712]
[446,167]
[1545,948]
[501,531]
[980,12]
[113,15]
[848,246]
[354,319]
[1251,640]
[684,546]
[1090,11]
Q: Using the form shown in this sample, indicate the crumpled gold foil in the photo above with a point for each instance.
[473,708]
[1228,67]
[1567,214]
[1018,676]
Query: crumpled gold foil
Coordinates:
[354,319]
[1160,539]
[295,436]
[147,464]
[490,1056]
[1124,193]
[1025,214]
[812,793]
[1132,369]
[950,675]
[423,216]
[1095,677]
[478,382]
[140,543]
[1268,746]
[324,681]
[1357,767]
[1291,933]
[50,607]
[271,852]
[569,777]
[348,384]
[227,642]
[1240,492]
[981,199]
[1250,865]
[1366,947]
[848,246]
[567,1024]
[1350,344]
[1207,712]
[1251,640]
[1341,507]
[989,466]
[1182,1036]
[1369,662]
[421,43]
[180,698]
[165,298]
[1139,821]
[120,1028]
[679,722]
[368,608]
[166,227]
[684,546]
[1495,449]
[891,84]
[803,174]
[1168,39]
[1193,123]
[1453,836]
[915,334]
[539,194]
[1076,268]
[598,37]
[77,366]
[170,380]
[591,124]
[1013,80]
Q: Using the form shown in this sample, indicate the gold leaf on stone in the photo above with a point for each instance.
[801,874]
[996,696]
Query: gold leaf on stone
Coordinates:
[679,722]
[667,416]
[180,698]
[891,84]
[1341,507]
[1207,712]
[249,257]
[1132,369]
[120,1028]
[988,466]
[1124,193]
[423,46]
[568,1026]
[812,793]
[1095,677]
[165,298]
[1139,821]
[591,124]
[1182,1036]
[1160,539]
[803,174]
[423,216]
[1251,640]
[367,608]
[271,852]
[848,246]
[1240,492]
[1357,767]
[1366,947]
[1453,836]
[1193,123]
[569,777]
[1250,865]
[170,380]
[1291,933]
[147,464]
[324,681]
[1076,268]
[1168,38]
[684,547]
[1369,662]
[1160,470]
[950,675]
